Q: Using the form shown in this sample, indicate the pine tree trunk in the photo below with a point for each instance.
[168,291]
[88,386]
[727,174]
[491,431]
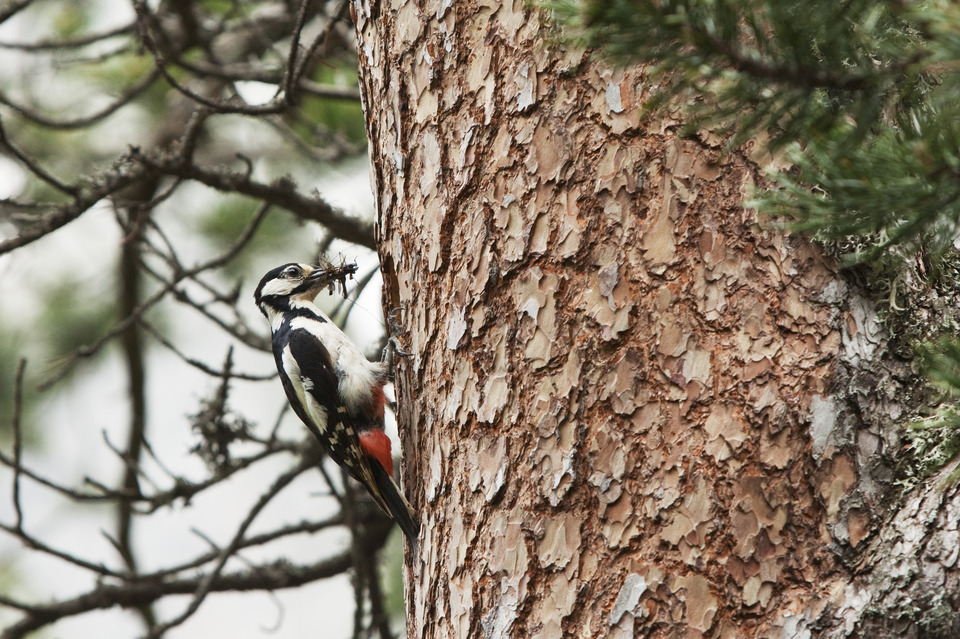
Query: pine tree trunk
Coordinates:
[621,415]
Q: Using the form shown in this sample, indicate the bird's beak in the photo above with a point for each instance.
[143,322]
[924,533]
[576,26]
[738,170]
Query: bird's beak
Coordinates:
[328,276]
[319,277]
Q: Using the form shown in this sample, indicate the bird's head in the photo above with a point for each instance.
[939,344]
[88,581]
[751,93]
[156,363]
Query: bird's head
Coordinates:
[281,288]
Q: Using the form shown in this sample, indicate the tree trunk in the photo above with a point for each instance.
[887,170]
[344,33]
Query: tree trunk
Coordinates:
[622,415]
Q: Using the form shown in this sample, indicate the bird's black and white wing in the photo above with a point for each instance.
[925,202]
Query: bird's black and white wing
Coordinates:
[310,382]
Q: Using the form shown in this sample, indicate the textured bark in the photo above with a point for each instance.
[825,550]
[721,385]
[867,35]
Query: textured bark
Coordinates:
[620,416]
[907,583]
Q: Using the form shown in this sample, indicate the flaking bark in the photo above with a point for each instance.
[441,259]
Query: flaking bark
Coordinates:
[630,409]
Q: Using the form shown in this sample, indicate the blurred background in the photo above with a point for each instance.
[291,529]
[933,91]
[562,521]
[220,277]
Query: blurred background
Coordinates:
[155,160]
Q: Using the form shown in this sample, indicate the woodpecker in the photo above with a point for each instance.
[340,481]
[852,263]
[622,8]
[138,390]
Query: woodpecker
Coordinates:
[333,388]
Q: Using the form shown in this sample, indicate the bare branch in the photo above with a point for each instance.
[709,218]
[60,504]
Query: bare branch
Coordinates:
[12,8]
[32,166]
[122,176]
[59,44]
[282,193]
[329,91]
[169,286]
[293,68]
[11,462]
[199,51]
[149,31]
[84,121]
[34,543]
[197,363]
[274,576]
[18,440]
[131,342]
[206,583]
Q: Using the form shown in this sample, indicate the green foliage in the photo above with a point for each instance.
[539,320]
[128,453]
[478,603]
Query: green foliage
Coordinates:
[942,360]
[899,185]
[790,68]
[227,220]
[9,356]
[863,99]
[864,96]
[935,440]
[124,70]
[72,317]
[278,232]
[69,317]
[71,19]
[227,8]
[917,299]
[391,574]
[341,116]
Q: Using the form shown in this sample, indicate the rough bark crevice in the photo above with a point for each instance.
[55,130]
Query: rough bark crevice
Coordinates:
[632,408]
[908,579]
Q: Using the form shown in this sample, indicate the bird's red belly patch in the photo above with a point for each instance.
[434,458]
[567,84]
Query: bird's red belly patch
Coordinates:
[377,402]
[376,444]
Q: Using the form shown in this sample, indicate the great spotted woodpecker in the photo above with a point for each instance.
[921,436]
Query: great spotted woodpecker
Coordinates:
[333,388]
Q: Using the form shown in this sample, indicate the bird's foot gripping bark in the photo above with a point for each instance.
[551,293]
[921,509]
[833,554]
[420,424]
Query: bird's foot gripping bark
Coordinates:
[393,347]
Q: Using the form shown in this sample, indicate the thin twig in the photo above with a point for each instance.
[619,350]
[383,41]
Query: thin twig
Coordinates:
[206,583]
[58,44]
[274,576]
[301,528]
[36,544]
[35,168]
[12,8]
[359,575]
[72,494]
[351,301]
[123,100]
[18,440]
[351,94]
[290,75]
[220,260]
[148,28]
[205,368]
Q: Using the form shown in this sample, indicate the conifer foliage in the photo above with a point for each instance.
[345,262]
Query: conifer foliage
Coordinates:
[864,96]
[862,99]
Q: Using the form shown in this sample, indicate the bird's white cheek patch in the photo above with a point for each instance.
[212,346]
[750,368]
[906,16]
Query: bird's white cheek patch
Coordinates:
[277,287]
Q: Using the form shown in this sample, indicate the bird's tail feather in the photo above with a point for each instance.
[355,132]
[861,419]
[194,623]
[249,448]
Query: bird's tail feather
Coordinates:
[397,504]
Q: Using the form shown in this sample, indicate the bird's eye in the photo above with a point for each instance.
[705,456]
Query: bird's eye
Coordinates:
[292,272]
